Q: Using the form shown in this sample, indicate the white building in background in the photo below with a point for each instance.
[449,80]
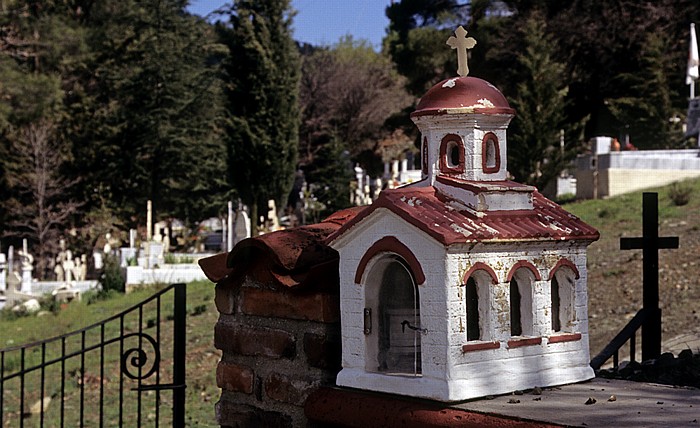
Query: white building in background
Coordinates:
[607,172]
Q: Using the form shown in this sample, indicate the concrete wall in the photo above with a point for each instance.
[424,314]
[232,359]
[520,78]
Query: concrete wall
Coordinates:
[623,172]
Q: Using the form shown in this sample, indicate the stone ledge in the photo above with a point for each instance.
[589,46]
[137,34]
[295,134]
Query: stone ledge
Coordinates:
[566,337]
[480,346]
[528,341]
[354,408]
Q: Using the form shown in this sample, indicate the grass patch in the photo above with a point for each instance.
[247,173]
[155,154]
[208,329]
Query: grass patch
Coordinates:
[201,361]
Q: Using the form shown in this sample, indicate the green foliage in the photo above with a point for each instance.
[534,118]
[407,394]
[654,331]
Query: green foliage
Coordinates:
[349,94]
[416,40]
[679,193]
[262,70]
[331,175]
[201,390]
[647,108]
[111,278]
[152,115]
[535,155]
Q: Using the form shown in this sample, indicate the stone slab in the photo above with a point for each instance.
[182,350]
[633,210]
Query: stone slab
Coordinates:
[636,405]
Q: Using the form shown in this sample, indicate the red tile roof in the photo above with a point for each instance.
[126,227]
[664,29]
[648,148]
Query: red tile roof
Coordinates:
[441,218]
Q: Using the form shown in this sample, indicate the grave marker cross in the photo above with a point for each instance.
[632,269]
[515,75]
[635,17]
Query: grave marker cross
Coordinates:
[650,243]
[461,42]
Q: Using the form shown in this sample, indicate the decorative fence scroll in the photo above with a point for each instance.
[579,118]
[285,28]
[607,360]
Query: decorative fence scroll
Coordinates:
[109,374]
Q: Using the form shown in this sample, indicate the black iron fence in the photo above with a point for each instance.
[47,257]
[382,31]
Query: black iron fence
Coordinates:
[112,373]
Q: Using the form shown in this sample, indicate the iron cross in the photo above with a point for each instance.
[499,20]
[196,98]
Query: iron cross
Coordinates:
[650,243]
[461,42]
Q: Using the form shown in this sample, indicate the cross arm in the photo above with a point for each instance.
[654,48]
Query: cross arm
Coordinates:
[668,242]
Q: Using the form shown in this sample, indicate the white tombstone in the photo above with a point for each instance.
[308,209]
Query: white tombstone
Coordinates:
[77,268]
[10,259]
[125,255]
[3,267]
[68,266]
[97,258]
[58,270]
[166,240]
[27,267]
[229,228]
[272,215]
[242,228]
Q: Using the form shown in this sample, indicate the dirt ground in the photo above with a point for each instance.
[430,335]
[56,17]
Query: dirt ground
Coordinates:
[615,283]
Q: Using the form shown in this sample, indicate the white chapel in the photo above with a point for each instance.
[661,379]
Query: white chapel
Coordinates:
[464,284]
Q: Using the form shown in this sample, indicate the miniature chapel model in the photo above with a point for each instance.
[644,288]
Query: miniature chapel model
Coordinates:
[464,284]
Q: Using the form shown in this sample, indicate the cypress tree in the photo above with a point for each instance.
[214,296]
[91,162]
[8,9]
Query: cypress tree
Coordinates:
[535,156]
[262,73]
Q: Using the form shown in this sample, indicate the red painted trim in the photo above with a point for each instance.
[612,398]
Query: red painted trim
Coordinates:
[471,347]
[563,262]
[525,264]
[530,341]
[484,145]
[478,110]
[444,165]
[390,244]
[481,266]
[571,337]
[424,155]
[354,408]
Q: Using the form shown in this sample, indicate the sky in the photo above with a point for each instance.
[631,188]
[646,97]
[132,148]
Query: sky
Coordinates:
[324,22]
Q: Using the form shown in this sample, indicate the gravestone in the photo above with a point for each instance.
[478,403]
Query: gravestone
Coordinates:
[27,261]
[68,265]
[11,259]
[3,268]
[650,243]
[242,228]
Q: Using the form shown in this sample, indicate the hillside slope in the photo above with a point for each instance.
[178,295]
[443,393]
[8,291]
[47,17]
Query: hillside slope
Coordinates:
[615,276]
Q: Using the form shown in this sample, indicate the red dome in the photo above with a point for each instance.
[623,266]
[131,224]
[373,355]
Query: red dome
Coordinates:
[463,95]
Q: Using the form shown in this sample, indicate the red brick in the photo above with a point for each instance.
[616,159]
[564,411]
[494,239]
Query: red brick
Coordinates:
[233,377]
[281,304]
[254,341]
[471,347]
[323,351]
[225,299]
[288,390]
[530,341]
[354,408]
[230,414]
[571,337]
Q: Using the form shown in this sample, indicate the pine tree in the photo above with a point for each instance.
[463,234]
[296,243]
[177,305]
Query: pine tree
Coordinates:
[262,72]
[535,156]
[647,108]
[150,118]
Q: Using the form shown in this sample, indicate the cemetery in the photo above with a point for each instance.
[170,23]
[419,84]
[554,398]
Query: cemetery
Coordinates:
[206,221]
[458,286]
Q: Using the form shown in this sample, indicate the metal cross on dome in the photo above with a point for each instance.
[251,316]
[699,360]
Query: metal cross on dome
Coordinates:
[460,42]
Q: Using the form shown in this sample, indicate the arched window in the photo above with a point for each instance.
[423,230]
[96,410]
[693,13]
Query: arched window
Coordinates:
[562,292]
[473,325]
[521,316]
[556,305]
[452,154]
[397,344]
[424,156]
[490,154]
[516,326]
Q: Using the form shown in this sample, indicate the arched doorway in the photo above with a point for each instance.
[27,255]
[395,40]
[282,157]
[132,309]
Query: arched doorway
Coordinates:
[398,309]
